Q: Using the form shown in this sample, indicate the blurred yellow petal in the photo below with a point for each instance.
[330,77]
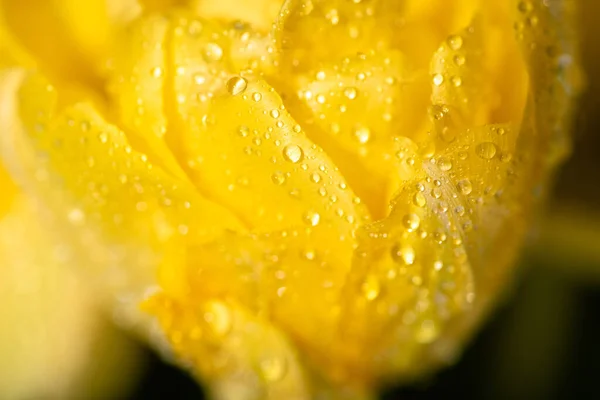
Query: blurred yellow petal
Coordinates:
[8,192]
[69,40]
[51,322]
[547,45]
[106,202]
[243,355]
[11,53]
[137,85]
[303,26]
[259,13]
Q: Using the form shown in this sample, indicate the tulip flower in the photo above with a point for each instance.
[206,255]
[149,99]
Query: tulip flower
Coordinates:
[301,200]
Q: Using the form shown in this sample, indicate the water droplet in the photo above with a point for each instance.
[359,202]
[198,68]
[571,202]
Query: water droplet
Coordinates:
[256,96]
[362,134]
[309,254]
[243,131]
[506,157]
[350,93]
[438,79]
[218,318]
[274,113]
[459,60]
[444,164]
[236,85]
[278,178]
[199,79]
[465,186]
[411,221]
[311,218]
[371,287]
[293,153]
[315,177]
[525,6]
[403,254]
[486,150]
[157,72]
[213,52]
[455,42]
[456,81]
[195,28]
[419,200]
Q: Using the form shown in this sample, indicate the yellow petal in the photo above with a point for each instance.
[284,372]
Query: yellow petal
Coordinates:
[362,110]
[304,26]
[261,166]
[469,74]
[11,52]
[69,41]
[259,13]
[8,192]
[119,216]
[244,356]
[184,59]
[137,84]
[410,276]
[546,40]
[203,55]
[427,23]
[263,156]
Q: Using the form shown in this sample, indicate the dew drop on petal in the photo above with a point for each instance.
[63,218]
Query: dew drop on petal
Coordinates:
[371,287]
[486,150]
[444,164]
[465,186]
[419,200]
[411,221]
[455,42]
[213,52]
[350,93]
[278,178]
[311,218]
[362,134]
[293,153]
[218,318]
[236,85]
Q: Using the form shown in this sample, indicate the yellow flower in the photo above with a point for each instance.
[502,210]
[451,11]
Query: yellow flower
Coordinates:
[307,202]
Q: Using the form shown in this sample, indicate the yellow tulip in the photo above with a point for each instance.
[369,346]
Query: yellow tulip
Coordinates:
[310,202]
